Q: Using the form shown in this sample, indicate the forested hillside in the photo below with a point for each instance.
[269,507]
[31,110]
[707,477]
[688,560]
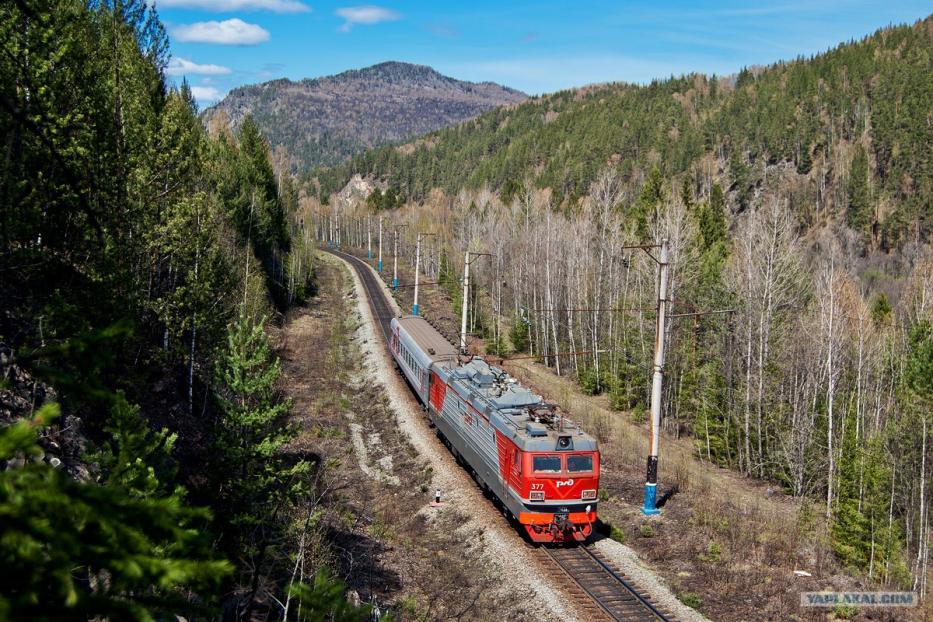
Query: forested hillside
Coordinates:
[797,205]
[853,122]
[141,426]
[323,121]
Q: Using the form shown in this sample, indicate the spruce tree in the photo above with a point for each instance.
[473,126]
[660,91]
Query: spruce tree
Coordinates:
[518,333]
[251,431]
[75,550]
[254,480]
[859,214]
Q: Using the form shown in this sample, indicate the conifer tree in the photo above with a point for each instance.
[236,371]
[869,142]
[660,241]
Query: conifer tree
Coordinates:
[858,214]
[251,431]
[518,333]
[254,479]
[73,550]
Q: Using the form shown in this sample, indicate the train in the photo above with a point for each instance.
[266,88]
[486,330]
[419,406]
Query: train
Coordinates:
[541,467]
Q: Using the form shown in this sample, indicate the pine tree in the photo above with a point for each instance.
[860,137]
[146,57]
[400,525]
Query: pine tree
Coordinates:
[254,480]
[686,194]
[649,200]
[251,431]
[73,550]
[712,219]
[859,213]
[740,177]
[518,333]
[135,458]
[805,162]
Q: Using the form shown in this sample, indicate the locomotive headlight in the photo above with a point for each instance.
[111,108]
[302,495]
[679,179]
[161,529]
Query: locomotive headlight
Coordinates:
[589,494]
[564,442]
[537,495]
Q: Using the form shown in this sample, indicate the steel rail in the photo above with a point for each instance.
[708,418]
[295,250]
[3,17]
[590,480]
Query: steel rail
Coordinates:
[594,575]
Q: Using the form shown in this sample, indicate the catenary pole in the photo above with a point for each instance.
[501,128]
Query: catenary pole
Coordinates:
[650,506]
[369,237]
[414,307]
[465,303]
[379,265]
[421,236]
[395,258]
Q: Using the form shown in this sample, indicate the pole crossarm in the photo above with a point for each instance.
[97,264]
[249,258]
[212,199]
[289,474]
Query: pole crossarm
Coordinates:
[699,313]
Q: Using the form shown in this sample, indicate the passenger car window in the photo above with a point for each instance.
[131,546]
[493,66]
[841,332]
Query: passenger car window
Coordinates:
[579,464]
[546,464]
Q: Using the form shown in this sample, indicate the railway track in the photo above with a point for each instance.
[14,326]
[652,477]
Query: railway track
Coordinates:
[381,308]
[603,591]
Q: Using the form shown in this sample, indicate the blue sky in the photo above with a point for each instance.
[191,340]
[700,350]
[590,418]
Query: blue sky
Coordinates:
[537,47]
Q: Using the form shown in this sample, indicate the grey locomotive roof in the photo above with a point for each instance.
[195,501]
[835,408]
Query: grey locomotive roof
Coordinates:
[428,339]
[522,415]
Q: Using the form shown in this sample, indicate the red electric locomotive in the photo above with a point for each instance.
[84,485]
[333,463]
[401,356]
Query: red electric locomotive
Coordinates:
[542,467]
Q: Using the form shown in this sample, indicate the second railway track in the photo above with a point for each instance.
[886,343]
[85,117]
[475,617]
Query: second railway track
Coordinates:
[605,591]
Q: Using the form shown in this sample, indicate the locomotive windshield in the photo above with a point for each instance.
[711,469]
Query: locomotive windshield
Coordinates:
[546,464]
[579,464]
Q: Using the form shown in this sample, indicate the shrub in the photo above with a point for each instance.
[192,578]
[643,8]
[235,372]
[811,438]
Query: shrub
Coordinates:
[589,381]
[713,553]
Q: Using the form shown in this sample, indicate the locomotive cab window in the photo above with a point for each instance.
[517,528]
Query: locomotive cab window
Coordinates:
[580,464]
[546,464]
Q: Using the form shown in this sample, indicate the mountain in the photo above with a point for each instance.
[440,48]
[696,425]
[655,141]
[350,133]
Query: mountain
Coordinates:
[849,130]
[323,121]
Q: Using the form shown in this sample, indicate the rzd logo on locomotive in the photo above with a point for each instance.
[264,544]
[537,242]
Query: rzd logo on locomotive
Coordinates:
[568,482]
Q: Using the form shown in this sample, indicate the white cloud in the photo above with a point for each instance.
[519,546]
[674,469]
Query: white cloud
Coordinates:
[228,32]
[205,93]
[228,6]
[367,14]
[184,67]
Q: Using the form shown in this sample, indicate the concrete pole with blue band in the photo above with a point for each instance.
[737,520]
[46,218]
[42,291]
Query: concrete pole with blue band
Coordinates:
[369,237]
[395,258]
[650,506]
[421,236]
[414,306]
[379,265]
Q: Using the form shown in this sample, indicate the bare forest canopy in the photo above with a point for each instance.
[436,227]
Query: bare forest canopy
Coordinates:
[324,121]
[796,199]
[845,134]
